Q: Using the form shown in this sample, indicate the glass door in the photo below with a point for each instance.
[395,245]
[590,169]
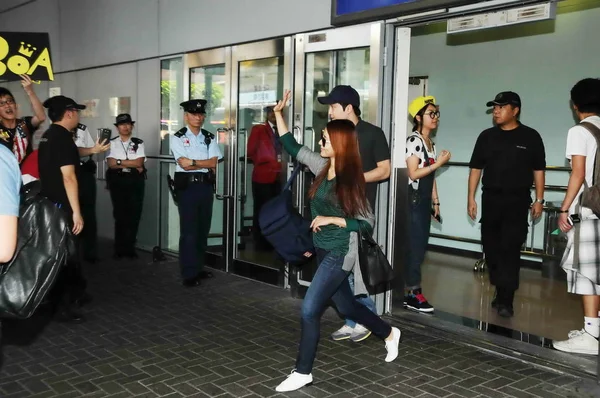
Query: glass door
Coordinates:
[260,74]
[209,79]
[346,56]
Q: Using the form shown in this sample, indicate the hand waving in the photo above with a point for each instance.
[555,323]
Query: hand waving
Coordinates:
[287,94]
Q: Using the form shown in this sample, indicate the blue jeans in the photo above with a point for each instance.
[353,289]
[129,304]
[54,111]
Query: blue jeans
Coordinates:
[364,299]
[419,219]
[331,282]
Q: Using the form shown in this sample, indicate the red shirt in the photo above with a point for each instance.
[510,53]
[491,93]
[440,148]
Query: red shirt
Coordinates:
[262,152]
[30,165]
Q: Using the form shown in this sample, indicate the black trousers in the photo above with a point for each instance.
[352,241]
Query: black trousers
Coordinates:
[127,196]
[87,201]
[261,194]
[503,231]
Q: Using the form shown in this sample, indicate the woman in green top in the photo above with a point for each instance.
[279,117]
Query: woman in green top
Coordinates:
[339,208]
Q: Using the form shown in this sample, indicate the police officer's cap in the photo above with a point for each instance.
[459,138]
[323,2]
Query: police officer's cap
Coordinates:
[194,106]
[59,103]
[124,118]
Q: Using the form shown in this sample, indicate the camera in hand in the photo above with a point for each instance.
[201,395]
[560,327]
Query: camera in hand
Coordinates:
[574,219]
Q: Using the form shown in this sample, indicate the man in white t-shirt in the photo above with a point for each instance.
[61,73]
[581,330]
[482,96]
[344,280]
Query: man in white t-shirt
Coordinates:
[582,277]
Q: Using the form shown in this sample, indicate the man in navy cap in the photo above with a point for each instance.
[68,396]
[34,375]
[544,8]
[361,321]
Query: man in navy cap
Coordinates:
[59,167]
[196,152]
[344,103]
[264,150]
[511,157]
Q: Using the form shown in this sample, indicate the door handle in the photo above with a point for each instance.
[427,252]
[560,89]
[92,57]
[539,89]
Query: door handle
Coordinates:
[218,195]
[312,139]
[242,197]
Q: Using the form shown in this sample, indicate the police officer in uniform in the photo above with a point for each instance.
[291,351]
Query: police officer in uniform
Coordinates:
[126,179]
[197,152]
[512,157]
[87,189]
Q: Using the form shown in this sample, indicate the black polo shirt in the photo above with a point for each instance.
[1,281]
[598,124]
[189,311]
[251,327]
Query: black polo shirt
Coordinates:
[373,149]
[57,149]
[508,158]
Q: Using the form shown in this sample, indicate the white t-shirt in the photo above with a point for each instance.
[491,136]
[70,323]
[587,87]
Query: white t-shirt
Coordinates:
[129,150]
[581,142]
[415,146]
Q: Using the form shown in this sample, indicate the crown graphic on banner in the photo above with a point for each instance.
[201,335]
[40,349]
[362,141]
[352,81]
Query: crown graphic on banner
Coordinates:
[26,49]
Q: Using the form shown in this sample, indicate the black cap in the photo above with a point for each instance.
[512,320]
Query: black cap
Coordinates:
[194,106]
[124,118]
[505,98]
[341,95]
[60,102]
[268,108]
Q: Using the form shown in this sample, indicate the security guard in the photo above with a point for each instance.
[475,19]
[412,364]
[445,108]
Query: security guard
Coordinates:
[197,152]
[126,177]
[87,189]
[511,156]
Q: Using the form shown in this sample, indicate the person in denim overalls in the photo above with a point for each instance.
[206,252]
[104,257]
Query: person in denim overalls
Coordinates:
[421,163]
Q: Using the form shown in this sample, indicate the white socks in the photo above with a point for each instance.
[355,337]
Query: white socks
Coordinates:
[592,326]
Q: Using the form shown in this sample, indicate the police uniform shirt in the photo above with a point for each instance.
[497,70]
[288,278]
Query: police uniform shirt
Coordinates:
[83,138]
[194,147]
[131,149]
[508,158]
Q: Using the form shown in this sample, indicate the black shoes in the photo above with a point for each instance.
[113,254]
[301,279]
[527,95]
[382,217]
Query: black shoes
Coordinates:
[195,281]
[68,315]
[503,302]
[82,300]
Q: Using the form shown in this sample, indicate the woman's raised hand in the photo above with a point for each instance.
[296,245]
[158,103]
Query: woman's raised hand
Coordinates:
[287,94]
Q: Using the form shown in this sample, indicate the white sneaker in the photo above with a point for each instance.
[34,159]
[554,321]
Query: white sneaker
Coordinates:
[294,381]
[579,342]
[342,333]
[359,333]
[392,345]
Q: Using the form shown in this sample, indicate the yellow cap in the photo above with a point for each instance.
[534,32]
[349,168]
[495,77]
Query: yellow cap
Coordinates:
[419,103]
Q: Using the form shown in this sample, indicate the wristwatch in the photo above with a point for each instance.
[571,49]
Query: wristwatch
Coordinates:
[193,162]
[118,162]
[541,201]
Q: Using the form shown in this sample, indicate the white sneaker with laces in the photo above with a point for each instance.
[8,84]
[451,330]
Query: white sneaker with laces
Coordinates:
[392,345]
[579,342]
[342,333]
[294,382]
[359,333]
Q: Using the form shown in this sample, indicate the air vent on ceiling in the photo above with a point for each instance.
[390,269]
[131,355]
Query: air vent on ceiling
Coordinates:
[538,12]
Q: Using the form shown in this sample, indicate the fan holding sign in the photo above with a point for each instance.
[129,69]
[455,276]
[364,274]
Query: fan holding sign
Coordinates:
[17,133]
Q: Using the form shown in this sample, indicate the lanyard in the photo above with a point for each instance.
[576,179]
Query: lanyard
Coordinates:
[125,149]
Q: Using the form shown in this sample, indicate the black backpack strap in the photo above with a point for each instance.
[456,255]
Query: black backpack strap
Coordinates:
[289,182]
[595,131]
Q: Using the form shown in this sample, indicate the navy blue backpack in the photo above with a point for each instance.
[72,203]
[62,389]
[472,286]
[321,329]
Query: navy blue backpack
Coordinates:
[285,228]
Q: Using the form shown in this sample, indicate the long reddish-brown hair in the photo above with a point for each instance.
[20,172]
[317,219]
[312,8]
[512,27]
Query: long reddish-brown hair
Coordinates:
[349,177]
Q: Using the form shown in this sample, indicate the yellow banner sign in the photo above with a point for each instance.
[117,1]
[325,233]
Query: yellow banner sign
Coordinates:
[23,53]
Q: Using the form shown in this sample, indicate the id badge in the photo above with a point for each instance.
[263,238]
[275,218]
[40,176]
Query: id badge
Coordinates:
[126,170]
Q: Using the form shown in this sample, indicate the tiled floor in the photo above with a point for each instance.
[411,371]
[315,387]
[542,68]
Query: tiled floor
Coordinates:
[148,337]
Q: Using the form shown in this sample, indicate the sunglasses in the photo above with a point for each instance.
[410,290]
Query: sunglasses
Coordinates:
[6,102]
[433,114]
[323,140]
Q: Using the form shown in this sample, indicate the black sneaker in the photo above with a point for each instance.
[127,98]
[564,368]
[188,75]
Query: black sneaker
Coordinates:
[417,302]
[505,311]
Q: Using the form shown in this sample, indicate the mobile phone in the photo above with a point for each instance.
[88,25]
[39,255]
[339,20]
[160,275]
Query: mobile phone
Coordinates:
[573,219]
[438,217]
[105,136]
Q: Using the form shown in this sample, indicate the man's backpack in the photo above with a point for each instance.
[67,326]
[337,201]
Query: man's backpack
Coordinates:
[285,228]
[43,244]
[590,197]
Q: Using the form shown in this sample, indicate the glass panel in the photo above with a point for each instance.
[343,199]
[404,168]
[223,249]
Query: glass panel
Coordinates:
[208,82]
[260,84]
[171,95]
[169,215]
[353,70]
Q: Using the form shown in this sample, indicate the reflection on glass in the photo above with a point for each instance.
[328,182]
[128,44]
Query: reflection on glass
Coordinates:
[260,85]
[208,82]
[353,70]
[171,95]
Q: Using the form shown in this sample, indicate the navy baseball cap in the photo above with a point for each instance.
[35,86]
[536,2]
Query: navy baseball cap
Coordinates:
[505,98]
[341,95]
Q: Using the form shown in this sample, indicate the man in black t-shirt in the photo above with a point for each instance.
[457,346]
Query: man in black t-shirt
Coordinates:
[344,103]
[512,157]
[17,134]
[59,167]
